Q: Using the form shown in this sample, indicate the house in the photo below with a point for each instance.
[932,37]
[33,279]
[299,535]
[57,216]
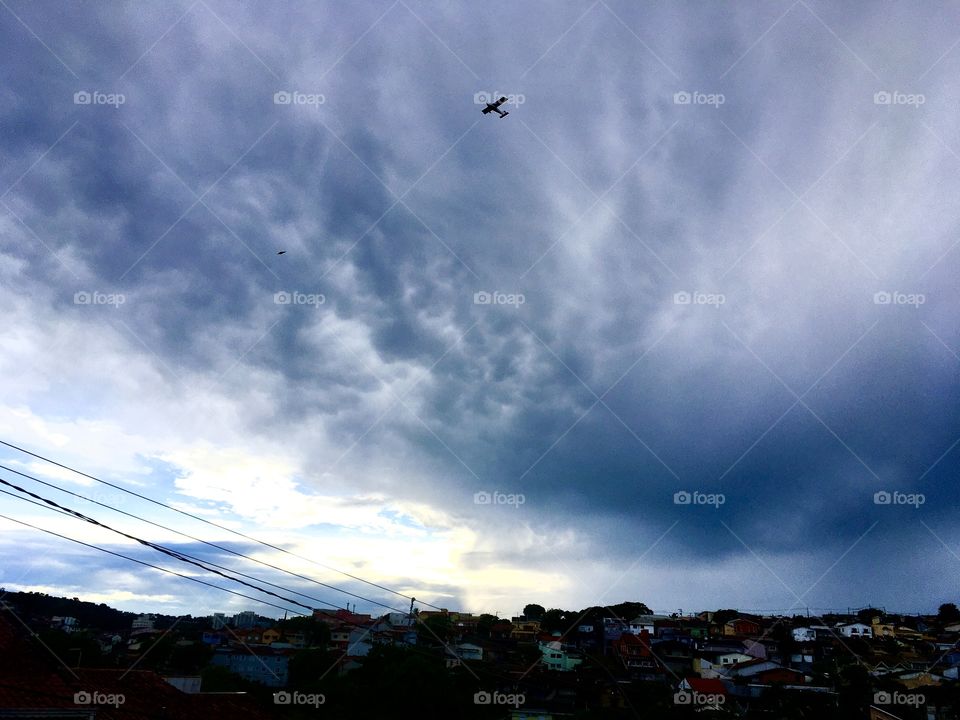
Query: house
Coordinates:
[250,636]
[340,616]
[635,654]
[804,634]
[359,643]
[741,626]
[712,691]
[854,630]
[468,651]
[675,655]
[905,633]
[67,624]
[340,637]
[262,664]
[646,623]
[613,628]
[882,629]
[695,628]
[755,649]
[501,630]
[525,631]
[729,659]
[186,684]
[270,636]
[245,620]
[766,672]
[556,657]
[142,622]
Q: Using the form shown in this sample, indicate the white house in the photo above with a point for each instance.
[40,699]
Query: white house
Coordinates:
[804,634]
[645,622]
[732,658]
[855,630]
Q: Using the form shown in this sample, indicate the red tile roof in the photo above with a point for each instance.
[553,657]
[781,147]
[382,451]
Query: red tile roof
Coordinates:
[707,686]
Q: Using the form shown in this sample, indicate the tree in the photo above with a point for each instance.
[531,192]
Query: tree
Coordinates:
[948,613]
[484,623]
[534,612]
[629,610]
[434,627]
[556,619]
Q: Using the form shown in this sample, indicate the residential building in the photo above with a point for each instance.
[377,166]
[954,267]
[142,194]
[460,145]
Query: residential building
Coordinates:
[468,651]
[855,630]
[525,630]
[67,624]
[262,665]
[245,620]
[142,622]
[741,626]
[557,657]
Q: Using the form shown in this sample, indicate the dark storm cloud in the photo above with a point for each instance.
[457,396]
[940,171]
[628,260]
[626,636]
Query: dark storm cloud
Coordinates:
[599,199]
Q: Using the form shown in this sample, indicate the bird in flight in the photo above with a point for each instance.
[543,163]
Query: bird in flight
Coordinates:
[495,107]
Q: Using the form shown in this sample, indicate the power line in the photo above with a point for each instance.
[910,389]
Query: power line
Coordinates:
[205,542]
[155,567]
[159,548]
[72,514]
[218,526]
[221,527]
[66,511]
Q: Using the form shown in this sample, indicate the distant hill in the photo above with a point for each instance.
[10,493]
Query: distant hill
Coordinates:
[88,614]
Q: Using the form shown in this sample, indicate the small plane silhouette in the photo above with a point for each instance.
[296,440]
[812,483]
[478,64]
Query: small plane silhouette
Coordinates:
[495,107]
[281,252]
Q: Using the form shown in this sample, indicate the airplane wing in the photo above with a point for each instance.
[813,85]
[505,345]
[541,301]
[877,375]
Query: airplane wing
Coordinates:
[499,102]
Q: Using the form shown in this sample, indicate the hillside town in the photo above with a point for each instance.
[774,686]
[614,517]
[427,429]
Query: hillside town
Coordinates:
[620,661]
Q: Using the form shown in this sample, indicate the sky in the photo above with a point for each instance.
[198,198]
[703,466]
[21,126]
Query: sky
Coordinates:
[681,328]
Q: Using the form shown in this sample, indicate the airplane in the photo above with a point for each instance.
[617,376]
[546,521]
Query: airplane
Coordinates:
[495,107]
[281,252]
